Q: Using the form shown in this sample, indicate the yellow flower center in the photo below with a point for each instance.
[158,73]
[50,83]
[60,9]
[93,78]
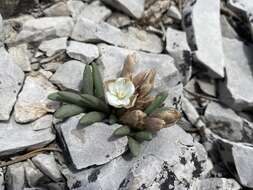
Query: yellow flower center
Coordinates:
[120,95]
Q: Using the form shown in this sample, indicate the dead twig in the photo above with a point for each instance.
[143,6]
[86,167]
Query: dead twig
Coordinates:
[201,96]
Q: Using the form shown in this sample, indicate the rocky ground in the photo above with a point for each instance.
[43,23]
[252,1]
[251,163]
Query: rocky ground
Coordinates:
[203,54]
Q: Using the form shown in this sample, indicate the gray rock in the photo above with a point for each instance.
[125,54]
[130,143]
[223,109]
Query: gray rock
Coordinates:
[83,150]
[191,113]
[51,47]
[11,80]
[44,122]
[16,137]
[21,56]
[95,11]
[15,176]
[236,91]
[58,9]
[64,80]
[177,47]
[2,182]
[32,102]
[204,34]
[44,28]
[1,31]
[33,175]
[75,7]
[174,12]
[227,30]
[240,5]
[207,86]
[118,20]
[230,124]
[170,160]
[89,31]
[82,51]
[47,164]
[131,7]
[216,183]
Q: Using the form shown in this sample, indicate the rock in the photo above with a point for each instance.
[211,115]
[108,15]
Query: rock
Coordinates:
[55,186]
[21,56]
[64,80]
[2,182]
[236,91]
[75,7]
[170,160]
[204,34]
[11,80]
[15,176]
[216,183]
[1,31]
[52,66]
[177,47]
[47,164]
[80,143]
[32,102]
[131,7]
[82,51]
[33,175]
[174,13]
[227,30]
[192,114]
[95,12]
[118,20]
[44,28]
[58,9]
[207,86]
[51,47]
[15,137]
[87,30]
[231,125]
[44,122]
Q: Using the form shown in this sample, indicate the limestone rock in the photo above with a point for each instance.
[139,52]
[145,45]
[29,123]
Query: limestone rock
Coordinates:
[83,52]
[44,122]
[21,56]
[170,160]
[51,47]
[2,182]
[83,150]
[58,9]
[89,31]
[44,28]
[15,137]
[174,13]
[1,31]
[236,91]
[64,79]
[204,34]
[130,7]
[227,30]
[32,102]
[15,176]
[118,20]
[47,164]
[216,183]
[11,80]
[207,86]
[75,7]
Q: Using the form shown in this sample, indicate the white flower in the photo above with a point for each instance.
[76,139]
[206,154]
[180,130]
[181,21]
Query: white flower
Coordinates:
[120,93]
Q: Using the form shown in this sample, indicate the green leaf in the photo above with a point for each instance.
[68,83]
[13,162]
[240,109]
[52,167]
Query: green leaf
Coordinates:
[68,110]
[95,103]
[159,99]
[134,146]
[142,136]
[98,82]
[122,131]
[92,117]
[87,87]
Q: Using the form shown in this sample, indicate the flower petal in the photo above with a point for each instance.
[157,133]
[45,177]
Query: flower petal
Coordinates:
[129,89]
[115,102]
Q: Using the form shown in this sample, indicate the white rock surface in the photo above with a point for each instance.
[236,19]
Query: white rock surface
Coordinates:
[47,164]
[216,183]
[75,7]
[32,101]
[174,12]
[130,7]
[202,25]
[227,30]
[44,28]
[207,86]
[64,79]
[51,47]
[92,145]
[15,137]
[1,31]
[21,56]
[170,161]
[11,80]
[33,175]
[83,52]
[236,91]
[58,9]
[15,176]
[89,31]
[44,122]
[2,182]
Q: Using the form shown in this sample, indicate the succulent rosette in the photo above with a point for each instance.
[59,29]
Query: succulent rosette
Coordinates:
[125,100]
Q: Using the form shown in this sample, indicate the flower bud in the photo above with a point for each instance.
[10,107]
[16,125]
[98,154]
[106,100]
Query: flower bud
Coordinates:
[154,124]
[170,116]
[133,118]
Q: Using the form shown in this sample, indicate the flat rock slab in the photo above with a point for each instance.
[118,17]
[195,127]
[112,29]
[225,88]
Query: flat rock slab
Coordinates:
[15,137]
[202,25]
[92,145]
[51,47]
[171,159]
[44,28]
[11,80]
[86,30]
[82,51]
[32,102]
[216,183]
[64,79]
[130,7]
[237,89]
